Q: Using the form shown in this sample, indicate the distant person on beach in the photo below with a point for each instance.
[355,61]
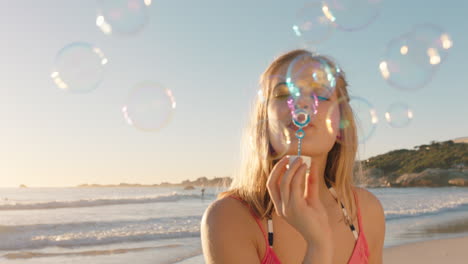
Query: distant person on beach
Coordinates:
[276,212]
[202,192]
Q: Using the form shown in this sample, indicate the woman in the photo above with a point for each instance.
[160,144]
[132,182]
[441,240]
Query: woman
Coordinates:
[276,213]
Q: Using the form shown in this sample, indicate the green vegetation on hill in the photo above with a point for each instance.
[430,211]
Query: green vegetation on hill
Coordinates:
[443,155]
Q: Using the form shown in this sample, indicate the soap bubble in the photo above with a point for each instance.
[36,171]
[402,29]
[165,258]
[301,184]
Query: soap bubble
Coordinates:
[364,115]
[311,25]
[399,115]
[124,17]
[79,67]
[149,107]
[411,60]
[311,77]
[351,15]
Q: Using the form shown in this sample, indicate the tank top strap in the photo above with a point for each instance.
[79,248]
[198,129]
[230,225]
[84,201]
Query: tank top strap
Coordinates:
[259,222]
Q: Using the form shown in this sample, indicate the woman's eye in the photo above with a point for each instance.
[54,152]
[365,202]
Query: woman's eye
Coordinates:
[281,91]
[282,95]
[321,98]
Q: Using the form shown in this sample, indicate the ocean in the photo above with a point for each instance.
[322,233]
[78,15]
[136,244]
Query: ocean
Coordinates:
[162,225]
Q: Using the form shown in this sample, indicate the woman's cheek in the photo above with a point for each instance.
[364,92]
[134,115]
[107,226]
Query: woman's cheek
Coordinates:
[279,112]
[332,121]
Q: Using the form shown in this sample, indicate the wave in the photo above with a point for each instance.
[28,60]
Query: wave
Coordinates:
[182,255]
[435,209]
[97,233]
[72,243]
[97,202]
[32,254]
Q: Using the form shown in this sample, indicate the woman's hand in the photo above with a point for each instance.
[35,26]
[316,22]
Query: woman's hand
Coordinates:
[297,201]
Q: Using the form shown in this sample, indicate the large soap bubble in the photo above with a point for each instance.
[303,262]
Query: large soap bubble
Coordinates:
[411,60]
[79,67]
[309,80]
[124,17]
[351,15]
[149,107]
[399,115]
[311,25]
[364,116]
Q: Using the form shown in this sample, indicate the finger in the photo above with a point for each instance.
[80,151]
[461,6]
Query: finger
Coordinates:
[272,186]
[297,185]
[312,185]
[286,181]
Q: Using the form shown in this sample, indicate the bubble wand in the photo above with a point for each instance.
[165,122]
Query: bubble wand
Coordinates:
[303,114]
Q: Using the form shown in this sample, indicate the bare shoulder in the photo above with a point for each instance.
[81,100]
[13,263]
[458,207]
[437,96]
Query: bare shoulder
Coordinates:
[227,211]
[373,217]
[227,232]
[368,201]
[370,205]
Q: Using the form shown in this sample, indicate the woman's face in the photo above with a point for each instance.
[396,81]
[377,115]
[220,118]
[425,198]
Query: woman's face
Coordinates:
[321,133]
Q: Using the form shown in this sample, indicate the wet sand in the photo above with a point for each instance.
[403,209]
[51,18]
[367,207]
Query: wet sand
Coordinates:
[451,250]
[447,250]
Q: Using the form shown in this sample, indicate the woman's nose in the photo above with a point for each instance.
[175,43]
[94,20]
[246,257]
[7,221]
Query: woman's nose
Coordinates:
[305,101]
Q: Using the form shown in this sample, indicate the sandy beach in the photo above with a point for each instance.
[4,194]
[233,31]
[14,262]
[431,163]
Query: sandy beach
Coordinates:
[452,250]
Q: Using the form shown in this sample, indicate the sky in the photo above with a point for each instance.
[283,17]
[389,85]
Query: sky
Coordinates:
[210,54]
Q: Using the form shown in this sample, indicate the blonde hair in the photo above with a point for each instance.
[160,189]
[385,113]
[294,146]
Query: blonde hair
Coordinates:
[250,183]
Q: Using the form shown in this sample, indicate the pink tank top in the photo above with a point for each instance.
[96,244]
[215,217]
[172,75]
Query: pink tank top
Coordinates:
[360,253]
